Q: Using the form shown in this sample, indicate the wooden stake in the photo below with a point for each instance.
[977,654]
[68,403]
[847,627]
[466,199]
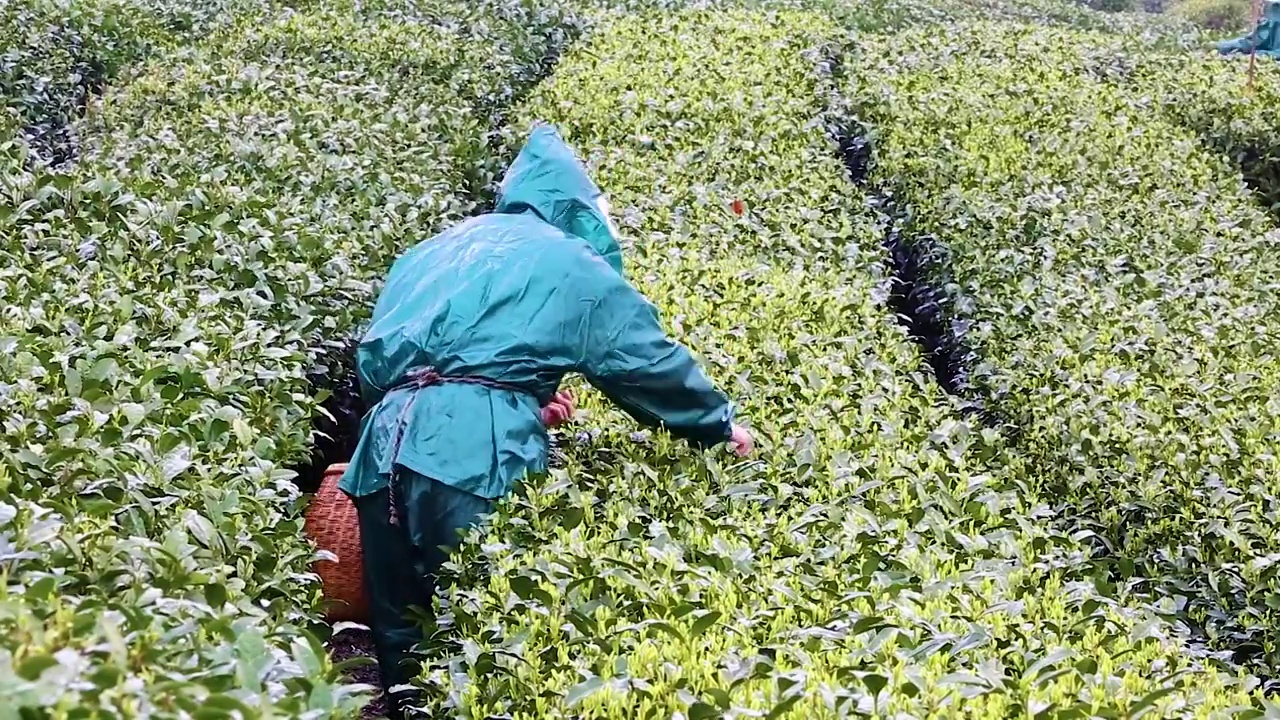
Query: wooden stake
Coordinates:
[1253,46]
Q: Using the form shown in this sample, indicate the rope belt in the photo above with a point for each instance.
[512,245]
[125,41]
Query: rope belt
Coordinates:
[419,378]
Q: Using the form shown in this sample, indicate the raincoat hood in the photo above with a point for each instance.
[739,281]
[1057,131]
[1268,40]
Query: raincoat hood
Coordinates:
[548,180]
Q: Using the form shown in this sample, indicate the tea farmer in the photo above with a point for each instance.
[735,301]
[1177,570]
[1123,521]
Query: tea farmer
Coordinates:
[1264,38]
[469,341]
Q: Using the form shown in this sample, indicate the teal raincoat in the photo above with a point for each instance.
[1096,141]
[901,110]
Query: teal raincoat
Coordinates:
[520,296]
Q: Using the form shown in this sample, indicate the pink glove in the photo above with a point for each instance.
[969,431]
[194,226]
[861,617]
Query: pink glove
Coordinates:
[741,441]
[559,410]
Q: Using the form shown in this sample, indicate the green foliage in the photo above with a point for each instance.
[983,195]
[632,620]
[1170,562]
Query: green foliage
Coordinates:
[1218,15]
[165,297]
[883,556]
[250,168]
[1120,282]
[55,55]
[1114,5]
[895,15]
[1211,97]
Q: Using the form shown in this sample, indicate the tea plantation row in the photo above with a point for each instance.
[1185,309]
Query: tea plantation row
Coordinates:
[885,556]
[56,56]
[1119,281]
[164,297]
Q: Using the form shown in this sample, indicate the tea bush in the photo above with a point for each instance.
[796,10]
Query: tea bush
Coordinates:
[1218,15]
[1119,280]
[55,56]
[165,297]
[1212,97]
[887,16]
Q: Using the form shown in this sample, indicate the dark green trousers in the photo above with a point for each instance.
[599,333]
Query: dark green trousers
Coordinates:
[407,531]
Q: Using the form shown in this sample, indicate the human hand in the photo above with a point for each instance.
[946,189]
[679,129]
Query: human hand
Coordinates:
[559,410]
[741,441]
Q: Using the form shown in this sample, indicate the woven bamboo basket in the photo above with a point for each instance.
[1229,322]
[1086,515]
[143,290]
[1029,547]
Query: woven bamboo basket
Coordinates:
[331,522]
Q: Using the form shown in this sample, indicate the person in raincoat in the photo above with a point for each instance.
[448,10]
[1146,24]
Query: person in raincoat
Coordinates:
[1264,39]
[461,367]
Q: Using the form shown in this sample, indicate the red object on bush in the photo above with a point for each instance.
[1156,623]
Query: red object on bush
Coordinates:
[739,207]
[332,524]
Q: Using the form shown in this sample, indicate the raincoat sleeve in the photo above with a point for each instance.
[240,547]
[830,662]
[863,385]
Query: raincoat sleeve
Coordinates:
[650,376]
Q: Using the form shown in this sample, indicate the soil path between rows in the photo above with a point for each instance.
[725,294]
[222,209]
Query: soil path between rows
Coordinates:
[352,643]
